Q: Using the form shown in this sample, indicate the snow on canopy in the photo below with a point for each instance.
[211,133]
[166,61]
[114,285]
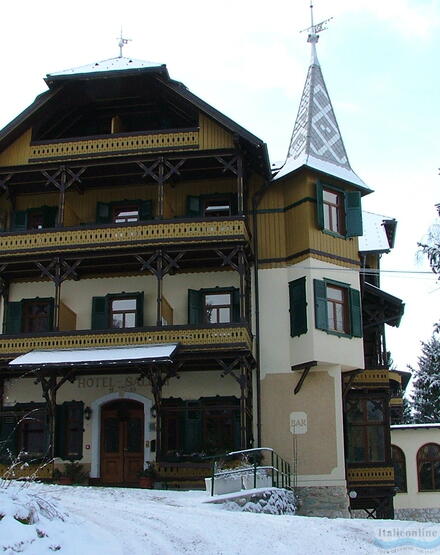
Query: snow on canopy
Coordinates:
[101,354]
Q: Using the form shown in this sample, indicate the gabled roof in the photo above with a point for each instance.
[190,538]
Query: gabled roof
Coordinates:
[316,140]
[122,67]
[378,233]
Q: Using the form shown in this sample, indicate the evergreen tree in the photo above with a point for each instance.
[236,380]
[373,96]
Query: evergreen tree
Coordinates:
[407,417]
[426,392]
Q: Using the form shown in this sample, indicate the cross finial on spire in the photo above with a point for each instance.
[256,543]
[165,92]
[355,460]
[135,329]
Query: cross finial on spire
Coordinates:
[122,42]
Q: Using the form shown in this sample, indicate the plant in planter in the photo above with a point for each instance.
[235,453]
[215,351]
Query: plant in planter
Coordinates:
[147,476]
[73,474]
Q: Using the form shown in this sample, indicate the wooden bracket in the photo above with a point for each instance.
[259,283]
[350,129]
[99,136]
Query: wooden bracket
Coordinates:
[63,177]
[161,169]
[58,270]
[160,263]
[305,367]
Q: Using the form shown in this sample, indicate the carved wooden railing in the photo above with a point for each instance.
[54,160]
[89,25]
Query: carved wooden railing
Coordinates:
[383,475]
[121,143]
[106,236]
[373,378]
[218,336]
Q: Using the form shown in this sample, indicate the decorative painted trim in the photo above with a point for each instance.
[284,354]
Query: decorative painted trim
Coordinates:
[285,208]
[306,252]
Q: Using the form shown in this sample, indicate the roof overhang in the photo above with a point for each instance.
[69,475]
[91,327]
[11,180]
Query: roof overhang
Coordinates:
[126,355]
[387,308]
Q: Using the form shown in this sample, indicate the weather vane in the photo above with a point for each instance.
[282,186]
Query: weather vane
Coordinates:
[313,30]
[122,43]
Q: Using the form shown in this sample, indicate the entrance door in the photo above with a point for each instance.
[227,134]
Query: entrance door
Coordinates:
[122,441]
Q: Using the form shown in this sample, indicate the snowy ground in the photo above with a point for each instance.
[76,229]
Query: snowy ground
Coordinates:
[116,521]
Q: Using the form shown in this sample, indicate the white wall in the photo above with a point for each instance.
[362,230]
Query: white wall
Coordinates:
[410,440]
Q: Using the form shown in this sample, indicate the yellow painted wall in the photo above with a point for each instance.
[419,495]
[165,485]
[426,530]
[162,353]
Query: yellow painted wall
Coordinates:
[213,135]
[18,152]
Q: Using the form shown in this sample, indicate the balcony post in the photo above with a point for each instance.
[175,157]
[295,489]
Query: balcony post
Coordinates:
[240,186]
[4,293]
[62,179]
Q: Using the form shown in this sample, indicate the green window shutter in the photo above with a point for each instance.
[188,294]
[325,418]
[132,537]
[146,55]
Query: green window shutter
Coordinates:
[193,207]
[193,428]
[13,317]
[353,214]
[298,307]
[51,311]
[234,205]
[103,213]
[355,313]
[99,313]
[194,307]
[60,431]
[235,295]
[8,436]
[321,318]
[145,210]
[49,216]
[319,207]
[19,220]
[139,309]
[73,428]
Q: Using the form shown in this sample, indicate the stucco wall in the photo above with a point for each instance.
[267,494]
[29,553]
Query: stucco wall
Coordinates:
[410,440]
[280,351]
[319,451]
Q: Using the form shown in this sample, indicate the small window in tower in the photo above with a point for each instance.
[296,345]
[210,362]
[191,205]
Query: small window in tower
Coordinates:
[337,309]
[333,206]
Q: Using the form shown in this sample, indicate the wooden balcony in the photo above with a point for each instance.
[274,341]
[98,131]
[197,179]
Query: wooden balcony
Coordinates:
[371,476]
[373,378]
[192,338]
[101,237]
[111,145]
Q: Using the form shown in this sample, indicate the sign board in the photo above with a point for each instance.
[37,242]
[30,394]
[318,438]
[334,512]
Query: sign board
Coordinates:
[298,423]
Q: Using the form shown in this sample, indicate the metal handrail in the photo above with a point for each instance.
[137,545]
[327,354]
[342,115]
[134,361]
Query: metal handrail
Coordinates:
[279,468]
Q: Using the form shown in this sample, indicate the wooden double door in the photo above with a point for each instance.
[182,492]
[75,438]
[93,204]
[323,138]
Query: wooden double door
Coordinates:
[122,442]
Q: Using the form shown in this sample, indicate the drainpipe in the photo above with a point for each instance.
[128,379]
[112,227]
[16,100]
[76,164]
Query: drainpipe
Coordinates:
[256,199]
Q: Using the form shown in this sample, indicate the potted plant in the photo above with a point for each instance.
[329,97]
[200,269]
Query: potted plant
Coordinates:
[147,476]
[72,474]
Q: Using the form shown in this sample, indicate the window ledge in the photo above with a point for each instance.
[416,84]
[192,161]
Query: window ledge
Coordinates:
[339,334]
[335,234]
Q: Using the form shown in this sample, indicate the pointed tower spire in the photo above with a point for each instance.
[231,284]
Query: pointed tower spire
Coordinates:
[316,140]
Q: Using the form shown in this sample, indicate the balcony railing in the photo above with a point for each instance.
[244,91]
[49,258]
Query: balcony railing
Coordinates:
[106,236]
[373,378]
[378,475]
[192,337]
[109,145]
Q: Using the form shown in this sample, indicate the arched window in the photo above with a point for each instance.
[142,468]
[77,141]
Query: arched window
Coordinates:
[399,464]
[428,467]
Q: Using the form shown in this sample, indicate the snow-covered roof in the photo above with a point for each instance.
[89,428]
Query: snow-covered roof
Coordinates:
[375,237]
[97,355]
[112,64]
[316,139]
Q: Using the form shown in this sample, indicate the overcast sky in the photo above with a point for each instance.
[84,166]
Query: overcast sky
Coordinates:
[248,59]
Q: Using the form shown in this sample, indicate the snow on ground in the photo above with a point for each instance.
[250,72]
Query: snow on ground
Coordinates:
[119,521]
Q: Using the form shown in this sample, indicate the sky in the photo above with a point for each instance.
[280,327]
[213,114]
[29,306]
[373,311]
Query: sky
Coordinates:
[249,60]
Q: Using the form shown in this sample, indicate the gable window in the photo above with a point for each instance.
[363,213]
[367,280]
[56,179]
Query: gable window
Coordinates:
[337,308]
[338,212]
[29,316]
[213,306]
[120,311]
[211,206]
[428,467]
[365,430]
[399,464]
